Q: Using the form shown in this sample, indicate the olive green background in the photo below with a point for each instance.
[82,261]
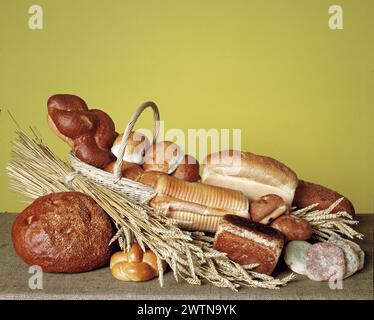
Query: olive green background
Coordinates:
[300,92]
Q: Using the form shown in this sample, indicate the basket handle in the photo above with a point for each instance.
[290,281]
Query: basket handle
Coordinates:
[156,118]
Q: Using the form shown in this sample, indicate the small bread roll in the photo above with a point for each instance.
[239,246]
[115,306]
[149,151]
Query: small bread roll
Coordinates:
[188,169]
[292,227]
[129,170]
[136,147]
[135,265]
[119,256]
[150,178]
[267,208]
[164,156]
[150,258]
[132,271]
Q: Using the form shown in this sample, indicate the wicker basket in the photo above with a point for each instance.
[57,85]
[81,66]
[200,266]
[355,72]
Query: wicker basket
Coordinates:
[115,181]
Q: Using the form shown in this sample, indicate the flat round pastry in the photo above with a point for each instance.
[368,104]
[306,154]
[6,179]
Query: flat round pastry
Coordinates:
[324,260]
[352,261]
[295,256]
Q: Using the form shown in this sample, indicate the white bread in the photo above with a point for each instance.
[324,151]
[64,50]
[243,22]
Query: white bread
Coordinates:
[254,175]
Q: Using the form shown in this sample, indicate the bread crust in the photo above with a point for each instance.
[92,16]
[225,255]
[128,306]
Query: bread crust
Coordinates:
[89,132]
[308,193]
[63,232]
[260,175]
[247,242]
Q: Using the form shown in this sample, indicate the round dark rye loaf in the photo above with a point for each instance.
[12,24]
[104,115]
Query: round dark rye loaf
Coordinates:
[308,193]
[63,232]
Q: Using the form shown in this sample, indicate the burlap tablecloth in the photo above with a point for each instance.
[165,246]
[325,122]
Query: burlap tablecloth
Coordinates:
[99,284]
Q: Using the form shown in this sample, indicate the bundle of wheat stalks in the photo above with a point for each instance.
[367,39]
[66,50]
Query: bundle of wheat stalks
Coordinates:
[35,171]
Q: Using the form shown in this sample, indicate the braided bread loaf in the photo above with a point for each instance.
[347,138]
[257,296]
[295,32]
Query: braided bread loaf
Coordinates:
[90,133]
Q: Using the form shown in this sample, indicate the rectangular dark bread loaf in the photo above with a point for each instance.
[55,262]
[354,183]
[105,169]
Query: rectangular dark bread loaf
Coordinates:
[247,242]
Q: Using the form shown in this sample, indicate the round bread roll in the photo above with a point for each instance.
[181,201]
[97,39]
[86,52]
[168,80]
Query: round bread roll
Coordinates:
[63,232]
[129,170]
[164,156]
[135,265]
[295,256]
[150,178]
[308,193]
[267,208]
[292,227]
[188,169]
[136,147]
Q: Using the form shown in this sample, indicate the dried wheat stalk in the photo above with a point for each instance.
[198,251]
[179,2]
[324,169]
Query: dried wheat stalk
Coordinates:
[35,171]
[326,224]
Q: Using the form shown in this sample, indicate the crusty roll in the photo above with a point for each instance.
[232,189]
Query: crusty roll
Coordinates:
[164,156]
[292,227]
[89,132]
[187,170]
[308,193]
[136,147]
[267,208]
[195,205]
[129,170]
[247,242]
[150,178]
[135,265]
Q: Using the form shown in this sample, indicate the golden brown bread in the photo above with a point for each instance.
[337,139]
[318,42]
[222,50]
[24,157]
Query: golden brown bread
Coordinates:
[247,242]
[63,232]
[89,132]
[164,156]
[136,146]
[150,177]
[267,208]
[187,170]
[252,174]
[292,227]
[205,195]
[135,265]
[308,193]
[197,206]
[129,170]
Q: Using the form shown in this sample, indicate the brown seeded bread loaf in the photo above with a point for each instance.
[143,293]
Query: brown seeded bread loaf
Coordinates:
[247,242]
[63,232]
[308,193]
